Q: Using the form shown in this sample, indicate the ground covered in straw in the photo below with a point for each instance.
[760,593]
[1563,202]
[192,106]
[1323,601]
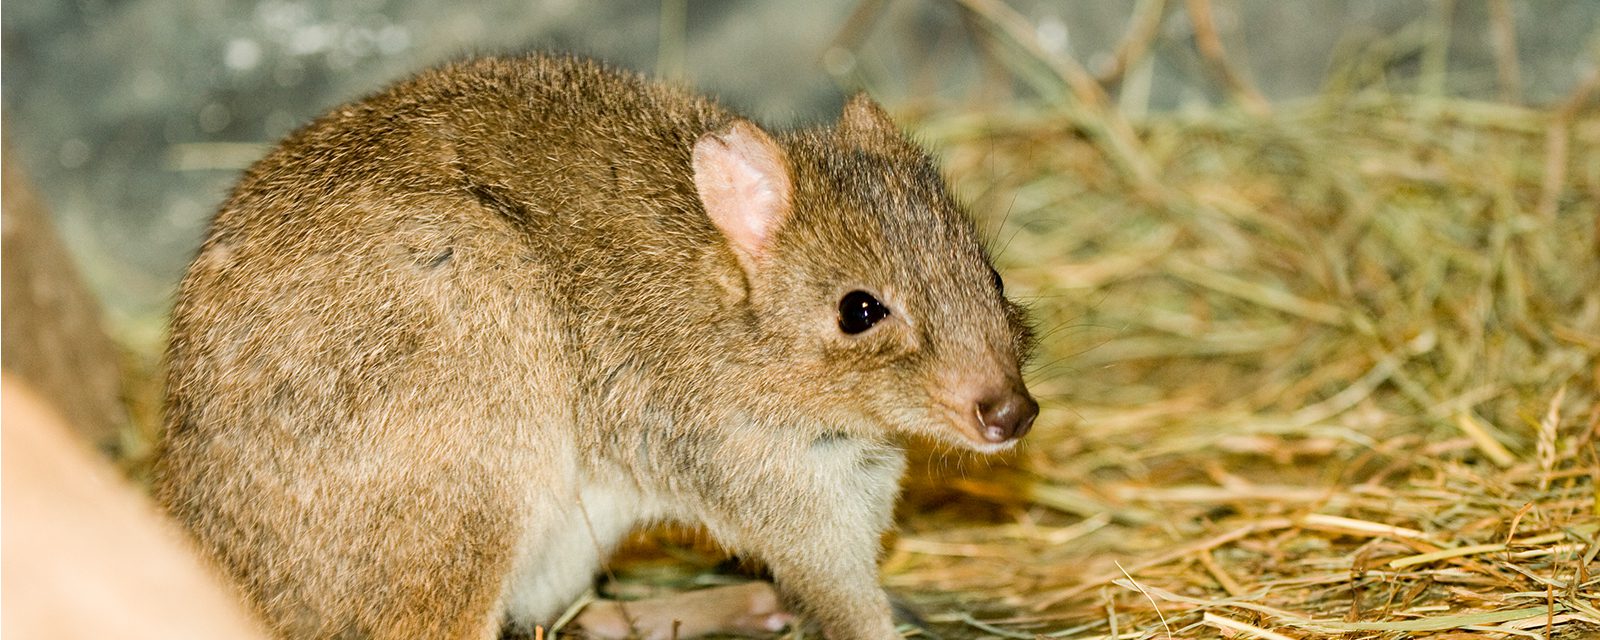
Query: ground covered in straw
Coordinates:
[1328,370]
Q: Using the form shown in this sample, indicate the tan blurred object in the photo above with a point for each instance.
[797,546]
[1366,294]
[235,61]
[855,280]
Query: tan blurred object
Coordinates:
[52,332]
[87,556]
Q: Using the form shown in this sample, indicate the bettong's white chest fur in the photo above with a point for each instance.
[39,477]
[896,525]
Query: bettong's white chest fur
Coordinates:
[574,524]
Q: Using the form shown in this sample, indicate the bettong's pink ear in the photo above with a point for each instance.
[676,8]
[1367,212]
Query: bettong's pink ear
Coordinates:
[742,176]
[866,123]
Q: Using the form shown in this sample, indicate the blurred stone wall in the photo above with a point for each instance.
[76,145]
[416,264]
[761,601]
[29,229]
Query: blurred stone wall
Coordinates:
[134,116]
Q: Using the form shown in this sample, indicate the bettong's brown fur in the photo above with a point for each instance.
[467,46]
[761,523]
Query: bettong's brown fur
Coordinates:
[444,346]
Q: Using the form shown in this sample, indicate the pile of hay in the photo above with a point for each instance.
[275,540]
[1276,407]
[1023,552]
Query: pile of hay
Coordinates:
[1326,370]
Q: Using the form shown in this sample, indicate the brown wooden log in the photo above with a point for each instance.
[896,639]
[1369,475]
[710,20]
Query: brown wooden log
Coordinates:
[52,333]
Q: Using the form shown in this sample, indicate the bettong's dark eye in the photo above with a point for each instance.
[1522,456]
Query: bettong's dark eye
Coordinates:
[858,311]
[999,284]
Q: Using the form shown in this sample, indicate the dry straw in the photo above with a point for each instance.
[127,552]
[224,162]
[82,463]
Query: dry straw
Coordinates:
[1311,369]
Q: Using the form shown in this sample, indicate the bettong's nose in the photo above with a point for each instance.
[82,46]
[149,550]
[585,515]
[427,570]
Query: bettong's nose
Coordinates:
[1007,415]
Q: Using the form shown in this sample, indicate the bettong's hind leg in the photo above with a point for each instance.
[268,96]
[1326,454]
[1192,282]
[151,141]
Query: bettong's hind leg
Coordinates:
[751,609]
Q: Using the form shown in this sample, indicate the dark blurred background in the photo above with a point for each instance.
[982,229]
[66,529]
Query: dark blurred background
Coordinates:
[134,116]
